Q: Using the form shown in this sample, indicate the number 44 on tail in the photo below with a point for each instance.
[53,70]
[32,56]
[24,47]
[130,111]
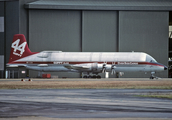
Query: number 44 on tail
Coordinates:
[18,47]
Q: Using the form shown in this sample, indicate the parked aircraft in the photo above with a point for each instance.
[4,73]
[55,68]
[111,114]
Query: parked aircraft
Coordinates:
[86,62]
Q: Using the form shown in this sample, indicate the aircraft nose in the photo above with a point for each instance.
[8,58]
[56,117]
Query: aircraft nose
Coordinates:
[165,68]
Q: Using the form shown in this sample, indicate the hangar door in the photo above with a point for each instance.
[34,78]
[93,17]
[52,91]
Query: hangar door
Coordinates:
[99,32]
[55,30]
[143,31]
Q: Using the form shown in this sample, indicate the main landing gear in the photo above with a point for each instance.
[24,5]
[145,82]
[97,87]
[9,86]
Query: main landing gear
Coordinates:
[94,76]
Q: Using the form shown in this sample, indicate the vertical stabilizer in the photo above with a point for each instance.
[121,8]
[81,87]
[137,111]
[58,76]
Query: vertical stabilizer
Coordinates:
[19,48]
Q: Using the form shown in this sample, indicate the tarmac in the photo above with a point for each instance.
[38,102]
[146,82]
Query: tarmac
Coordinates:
[89,79]
[84,104]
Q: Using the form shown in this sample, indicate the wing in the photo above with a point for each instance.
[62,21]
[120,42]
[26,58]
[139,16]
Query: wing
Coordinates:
[77,67]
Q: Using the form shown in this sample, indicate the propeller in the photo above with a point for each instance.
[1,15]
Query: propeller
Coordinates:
[113,69]
[104,68]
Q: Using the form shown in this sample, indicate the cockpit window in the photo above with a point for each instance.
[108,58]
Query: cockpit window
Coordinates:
[150,59]
[153,60]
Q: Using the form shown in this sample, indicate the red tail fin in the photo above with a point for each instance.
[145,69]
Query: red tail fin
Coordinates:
[19,48]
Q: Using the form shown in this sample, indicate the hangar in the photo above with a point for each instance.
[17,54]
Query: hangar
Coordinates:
[86,26]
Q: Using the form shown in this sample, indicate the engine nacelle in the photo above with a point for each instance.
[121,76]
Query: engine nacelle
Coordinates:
[99,67]
[96,67]
[108,68]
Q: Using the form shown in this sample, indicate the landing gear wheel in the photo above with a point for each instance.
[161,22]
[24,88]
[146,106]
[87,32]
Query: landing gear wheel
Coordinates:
[94,76]
[98,76]
[90,76]
[85,76]
[152,75]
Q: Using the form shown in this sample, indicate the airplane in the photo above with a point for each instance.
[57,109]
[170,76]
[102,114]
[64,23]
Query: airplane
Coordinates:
[85,62]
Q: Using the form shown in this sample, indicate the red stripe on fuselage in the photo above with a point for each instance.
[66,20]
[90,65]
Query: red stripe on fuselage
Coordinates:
[114,63]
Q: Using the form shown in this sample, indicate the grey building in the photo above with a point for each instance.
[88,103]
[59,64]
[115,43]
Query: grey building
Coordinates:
[86,26]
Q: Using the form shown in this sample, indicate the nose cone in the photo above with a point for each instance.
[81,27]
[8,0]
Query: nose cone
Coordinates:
[165,68]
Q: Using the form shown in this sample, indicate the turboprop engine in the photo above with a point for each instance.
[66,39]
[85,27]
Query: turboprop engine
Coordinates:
[96,67]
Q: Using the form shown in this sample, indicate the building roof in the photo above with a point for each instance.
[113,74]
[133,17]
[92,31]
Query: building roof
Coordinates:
[162,5]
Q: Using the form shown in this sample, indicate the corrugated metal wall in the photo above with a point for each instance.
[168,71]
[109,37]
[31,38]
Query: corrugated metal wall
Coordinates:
[1,39]
[99,31]
[2,28]
[9,25]
[55,30]
[12,24]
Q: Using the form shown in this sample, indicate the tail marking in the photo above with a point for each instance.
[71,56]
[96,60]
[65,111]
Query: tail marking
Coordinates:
[18,47]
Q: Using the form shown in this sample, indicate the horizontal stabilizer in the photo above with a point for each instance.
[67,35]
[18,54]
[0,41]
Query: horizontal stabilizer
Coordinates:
[15,65]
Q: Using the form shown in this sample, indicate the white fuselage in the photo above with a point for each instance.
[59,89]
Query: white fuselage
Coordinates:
[91,62]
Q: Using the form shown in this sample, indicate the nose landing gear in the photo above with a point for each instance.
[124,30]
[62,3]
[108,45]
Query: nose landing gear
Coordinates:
[153,76]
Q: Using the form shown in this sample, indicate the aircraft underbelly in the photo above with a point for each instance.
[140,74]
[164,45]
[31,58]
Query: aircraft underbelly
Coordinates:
[139,68]
[61,68]
[49,68]
[128,68]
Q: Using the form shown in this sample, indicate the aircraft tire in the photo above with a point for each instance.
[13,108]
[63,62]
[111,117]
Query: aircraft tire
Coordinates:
[151,77]
[85,76]
[94,76]
[99,77]
[90,76]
